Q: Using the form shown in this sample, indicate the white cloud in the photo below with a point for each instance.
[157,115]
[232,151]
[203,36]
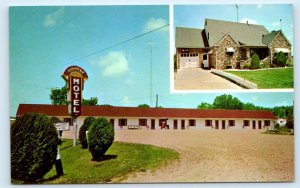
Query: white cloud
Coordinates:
[52,18]
[125,100]
[275,24]
[255,98]
[250,21]
[153,23]
[112,64]
[259,6]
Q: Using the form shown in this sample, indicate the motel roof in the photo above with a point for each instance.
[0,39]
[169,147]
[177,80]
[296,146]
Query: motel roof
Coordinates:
[111,111]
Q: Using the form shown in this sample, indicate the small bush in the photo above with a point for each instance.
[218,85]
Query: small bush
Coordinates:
[280,59]
[255,62]
[34,143]
[101,136]
[246,66]
[277,126]
[290,62]
[82,131]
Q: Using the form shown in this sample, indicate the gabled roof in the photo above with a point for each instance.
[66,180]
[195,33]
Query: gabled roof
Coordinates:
[189,38]
[243,33]
[268,38]
[110,111]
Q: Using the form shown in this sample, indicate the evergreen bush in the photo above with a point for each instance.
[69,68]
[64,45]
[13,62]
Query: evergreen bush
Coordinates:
[101,136]
[34,143]
[255,62]
[280,59]
[82,131]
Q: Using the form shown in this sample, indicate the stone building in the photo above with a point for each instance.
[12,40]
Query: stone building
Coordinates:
[223,44]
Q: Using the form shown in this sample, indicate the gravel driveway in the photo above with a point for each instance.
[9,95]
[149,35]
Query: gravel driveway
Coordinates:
[217,156]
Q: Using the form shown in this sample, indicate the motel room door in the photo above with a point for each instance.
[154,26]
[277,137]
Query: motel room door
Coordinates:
[152,123]
[259,124]
[223,124]
[217,124]
[253,124]
[182,124]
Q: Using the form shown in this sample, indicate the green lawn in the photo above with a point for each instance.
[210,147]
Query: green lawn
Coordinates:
[268,79]
[121,159]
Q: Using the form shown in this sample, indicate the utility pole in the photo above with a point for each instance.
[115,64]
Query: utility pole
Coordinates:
[237,13]
[156,101]
[150,73]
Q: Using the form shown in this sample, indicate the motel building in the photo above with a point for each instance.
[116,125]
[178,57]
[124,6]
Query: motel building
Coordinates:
[135,118]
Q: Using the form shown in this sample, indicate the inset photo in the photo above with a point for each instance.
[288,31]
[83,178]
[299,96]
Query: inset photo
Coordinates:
[233,47]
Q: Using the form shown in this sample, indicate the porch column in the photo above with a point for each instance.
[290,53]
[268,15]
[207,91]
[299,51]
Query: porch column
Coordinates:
[248,52]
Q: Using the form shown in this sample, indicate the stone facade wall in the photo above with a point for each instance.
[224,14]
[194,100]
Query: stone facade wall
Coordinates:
[222,58]
[279,42]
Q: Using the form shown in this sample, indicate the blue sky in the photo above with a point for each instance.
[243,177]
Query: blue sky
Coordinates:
[268,15]
[44,41]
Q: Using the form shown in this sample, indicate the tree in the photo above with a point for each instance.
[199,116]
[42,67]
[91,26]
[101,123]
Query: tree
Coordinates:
[33,146]
[255,62]
[281,59]
[227,102]
[205,105]
[82,131]
[290,118]
[143,106]
[58,96]
[101,136]
[92,101]
[175,62]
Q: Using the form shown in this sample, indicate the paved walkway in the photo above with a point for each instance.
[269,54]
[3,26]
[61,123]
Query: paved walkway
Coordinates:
[200,79]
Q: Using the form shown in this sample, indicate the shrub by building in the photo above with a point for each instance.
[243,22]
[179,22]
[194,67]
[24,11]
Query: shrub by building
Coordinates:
[101,136]
[281,59]
[34,143]
[255,62]
[82,131]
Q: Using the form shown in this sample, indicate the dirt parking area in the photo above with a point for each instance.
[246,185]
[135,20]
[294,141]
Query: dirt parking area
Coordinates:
[217,156]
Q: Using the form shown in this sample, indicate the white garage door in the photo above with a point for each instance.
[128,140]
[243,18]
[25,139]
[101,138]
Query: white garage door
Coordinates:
[189,61]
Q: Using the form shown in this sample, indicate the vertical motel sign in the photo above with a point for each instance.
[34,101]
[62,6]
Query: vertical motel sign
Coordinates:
[74,77]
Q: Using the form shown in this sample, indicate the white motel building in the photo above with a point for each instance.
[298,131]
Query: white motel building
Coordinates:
[128,118]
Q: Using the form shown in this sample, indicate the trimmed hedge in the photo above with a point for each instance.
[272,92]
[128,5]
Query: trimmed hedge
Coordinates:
[34,143]
[101,136]
[82,131]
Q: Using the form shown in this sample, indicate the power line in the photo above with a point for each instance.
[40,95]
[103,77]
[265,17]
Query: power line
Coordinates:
[117,44]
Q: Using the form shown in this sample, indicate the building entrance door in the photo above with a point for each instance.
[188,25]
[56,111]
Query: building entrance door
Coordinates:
[259,124]
[253,124]
[182,124]
[217,124]
[152,123]
[223,124]
[205,61]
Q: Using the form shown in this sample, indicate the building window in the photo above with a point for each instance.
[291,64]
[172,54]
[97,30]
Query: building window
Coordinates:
[208,123]
[246,123]
[267,123]
[192,122]
[143,122]
[181,55]
[122,122]
[231,122]
[69,120]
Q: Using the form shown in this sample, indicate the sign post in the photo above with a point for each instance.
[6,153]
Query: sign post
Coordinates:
[74,77]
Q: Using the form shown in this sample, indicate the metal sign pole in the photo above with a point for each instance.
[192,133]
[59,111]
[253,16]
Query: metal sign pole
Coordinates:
[75,131]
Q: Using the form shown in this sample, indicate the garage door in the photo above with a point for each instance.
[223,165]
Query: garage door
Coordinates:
[189,61]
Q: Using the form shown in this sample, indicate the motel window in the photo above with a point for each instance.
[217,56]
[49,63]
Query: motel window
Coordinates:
[246,123]
[208,123]
[112,121]
[181,55]
[192,122]
[267,123]
[69,120]
[143,122]
[231,123]
[122,122]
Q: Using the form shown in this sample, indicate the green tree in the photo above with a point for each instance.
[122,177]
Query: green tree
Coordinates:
[255,62]
[281,59]
[227,102]
[175,62]
[92,101]
[58,96]
[82,131]
[205,105]
[290,118]
[143,106]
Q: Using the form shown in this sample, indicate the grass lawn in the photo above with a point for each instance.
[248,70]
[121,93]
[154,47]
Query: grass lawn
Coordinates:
[268,79]
[120,160]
